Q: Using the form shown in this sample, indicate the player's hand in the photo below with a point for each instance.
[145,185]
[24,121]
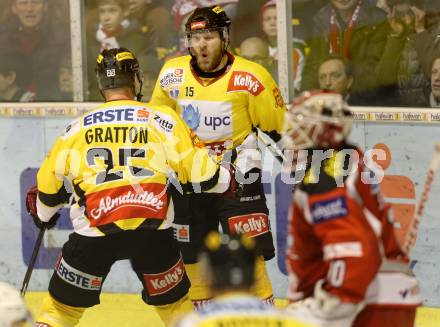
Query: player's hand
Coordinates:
[230,192]
[31,206]
[419,19]
[31,201]
[324,309]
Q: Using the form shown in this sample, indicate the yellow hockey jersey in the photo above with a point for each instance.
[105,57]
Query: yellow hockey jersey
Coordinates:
[238,311]
[117,159]
[223,111]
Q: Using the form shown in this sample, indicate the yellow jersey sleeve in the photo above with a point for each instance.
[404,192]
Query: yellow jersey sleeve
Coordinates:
[160,94]
[267,109]
[184,152]
[50,180]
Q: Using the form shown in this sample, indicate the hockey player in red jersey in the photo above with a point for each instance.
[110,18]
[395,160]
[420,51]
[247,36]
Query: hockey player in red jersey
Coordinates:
[345,266]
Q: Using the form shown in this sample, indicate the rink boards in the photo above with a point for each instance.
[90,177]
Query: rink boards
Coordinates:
[28,131]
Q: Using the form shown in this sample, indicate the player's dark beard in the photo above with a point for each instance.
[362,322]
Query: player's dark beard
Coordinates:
[214,63]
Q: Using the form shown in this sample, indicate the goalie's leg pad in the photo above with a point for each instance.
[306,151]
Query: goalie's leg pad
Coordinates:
[376,315]
[199,291]
[56,314]
[173,311]
[262,287]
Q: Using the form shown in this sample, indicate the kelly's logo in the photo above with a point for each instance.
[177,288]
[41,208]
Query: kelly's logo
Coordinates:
[162,282]
[252,224]
[244,81]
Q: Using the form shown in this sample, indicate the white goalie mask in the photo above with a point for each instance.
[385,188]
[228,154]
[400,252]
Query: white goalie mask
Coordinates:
[317,119]
[12,307]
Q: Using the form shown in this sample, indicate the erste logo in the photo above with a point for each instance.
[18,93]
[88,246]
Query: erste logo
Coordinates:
[181,233]
[76,277]
[143,115]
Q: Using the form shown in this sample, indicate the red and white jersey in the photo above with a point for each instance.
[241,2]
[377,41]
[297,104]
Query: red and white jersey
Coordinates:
[340,230]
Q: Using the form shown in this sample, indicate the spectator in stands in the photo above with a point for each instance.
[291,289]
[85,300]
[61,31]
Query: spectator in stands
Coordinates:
[248,13]
[408,23]
[65,80]
[425,44]
[137,10]
[302,13]
[434,97]
[335,74]
[12,80]
[181,11]
[268,19]
[229,6]
[150,66]
[257,50]
[158,23]
[356,30]
[113,31]
[32,33]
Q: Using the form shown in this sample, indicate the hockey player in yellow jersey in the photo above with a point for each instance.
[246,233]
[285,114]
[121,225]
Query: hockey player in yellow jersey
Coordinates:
[224,99]
[116,159]
[228,264]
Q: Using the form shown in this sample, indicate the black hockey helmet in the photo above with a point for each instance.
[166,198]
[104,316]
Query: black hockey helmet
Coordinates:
[228,261]
[116,68]
[211,18]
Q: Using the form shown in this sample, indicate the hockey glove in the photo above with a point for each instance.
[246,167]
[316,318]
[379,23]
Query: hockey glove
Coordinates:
[324,309]
[230,192]
[31,206]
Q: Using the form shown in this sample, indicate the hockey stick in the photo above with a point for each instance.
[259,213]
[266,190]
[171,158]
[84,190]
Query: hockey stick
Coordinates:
[271,145]
[411,235]
[31,265]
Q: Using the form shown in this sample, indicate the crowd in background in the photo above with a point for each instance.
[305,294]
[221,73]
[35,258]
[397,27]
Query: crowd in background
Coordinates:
[375,52]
